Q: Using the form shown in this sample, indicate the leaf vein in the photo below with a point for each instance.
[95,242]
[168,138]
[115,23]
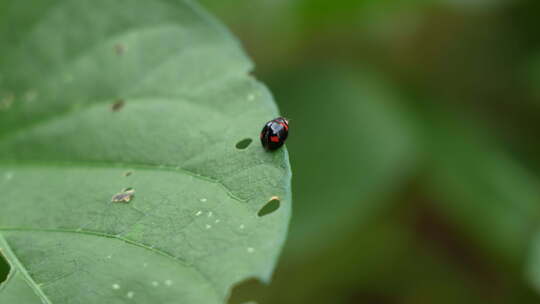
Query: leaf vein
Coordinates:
[27,278]
[104,235]
[124,165]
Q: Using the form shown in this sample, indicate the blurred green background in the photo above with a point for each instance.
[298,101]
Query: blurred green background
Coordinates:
[414,146]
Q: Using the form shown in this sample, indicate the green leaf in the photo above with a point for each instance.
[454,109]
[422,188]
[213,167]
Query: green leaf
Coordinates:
[98,96]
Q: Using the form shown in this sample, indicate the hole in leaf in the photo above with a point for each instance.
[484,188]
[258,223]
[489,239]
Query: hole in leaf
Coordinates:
[270,207]
[117,105]
[245,291]
[244,143]
[4,268]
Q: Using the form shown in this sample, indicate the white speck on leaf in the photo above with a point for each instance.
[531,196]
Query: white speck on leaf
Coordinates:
[203,200]
[168,282]
[250,249]
[242,226]
[155,283]
[217,221]
[210,213]
[30,95]
[251,97]
[115,286]
[198,213]
[8,175]
[208,226]
[130,294]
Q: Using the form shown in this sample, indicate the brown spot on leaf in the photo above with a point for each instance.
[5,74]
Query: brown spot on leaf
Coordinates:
[6,102]
[117,105]
[120,49]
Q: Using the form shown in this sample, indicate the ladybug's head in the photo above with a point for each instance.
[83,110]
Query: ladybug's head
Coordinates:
[283,119]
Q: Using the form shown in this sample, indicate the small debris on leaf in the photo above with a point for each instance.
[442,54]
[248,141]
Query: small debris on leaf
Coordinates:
[124,197]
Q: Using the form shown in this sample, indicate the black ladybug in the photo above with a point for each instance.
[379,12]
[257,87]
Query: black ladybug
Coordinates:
[274,133]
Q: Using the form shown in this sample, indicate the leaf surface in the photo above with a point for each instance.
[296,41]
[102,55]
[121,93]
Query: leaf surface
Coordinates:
[97,97]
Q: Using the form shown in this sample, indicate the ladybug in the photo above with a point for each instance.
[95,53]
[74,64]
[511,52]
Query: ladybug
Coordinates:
[274,133]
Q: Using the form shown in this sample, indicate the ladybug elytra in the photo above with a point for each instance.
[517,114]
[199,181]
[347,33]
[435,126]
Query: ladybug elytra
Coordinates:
[274,133]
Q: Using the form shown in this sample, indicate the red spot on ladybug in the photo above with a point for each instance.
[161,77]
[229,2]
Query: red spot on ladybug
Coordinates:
[274,133]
